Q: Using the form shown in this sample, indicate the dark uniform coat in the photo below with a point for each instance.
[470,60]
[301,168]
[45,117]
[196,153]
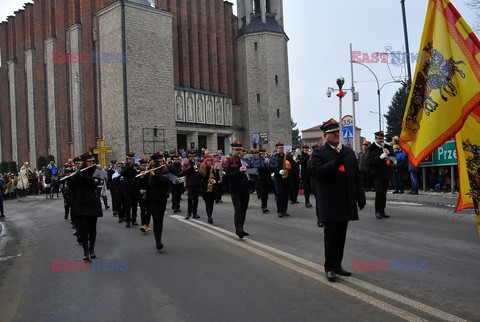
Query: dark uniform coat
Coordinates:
[87,202]
[380,168]
[337,189]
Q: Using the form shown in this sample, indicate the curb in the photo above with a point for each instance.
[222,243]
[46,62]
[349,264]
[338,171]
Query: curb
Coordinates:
[430,198]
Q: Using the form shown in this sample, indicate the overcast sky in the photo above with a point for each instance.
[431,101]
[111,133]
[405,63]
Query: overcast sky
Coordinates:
[320,32]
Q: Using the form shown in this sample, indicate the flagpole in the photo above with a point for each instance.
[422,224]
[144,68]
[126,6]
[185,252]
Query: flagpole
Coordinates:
[405,32]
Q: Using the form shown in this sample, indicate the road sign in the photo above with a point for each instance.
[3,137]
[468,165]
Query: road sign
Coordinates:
[444,155]
[347,132]
[347,120]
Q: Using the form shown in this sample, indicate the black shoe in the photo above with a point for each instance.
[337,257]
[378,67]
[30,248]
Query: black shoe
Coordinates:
[384,215]
[396,191]
[115,214]
[308,205]
[378,215]
[134,223]
[107,207]
[2,215]
[331,276]
[159,247]
[175,211]
[210,221]
[66,217]
[342,272]
[188,216]
[196,216]
[178,210]
[120,221]
[127,225]
[415,192]
[92,254]
[319,224]
[245,233]
[410,192]
[293,202]
[240,235]
[286,214]
[264,210]
[280,214]
[401,191]
[86,253]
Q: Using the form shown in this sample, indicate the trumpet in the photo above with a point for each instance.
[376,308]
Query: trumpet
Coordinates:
[74,173]
[142,173]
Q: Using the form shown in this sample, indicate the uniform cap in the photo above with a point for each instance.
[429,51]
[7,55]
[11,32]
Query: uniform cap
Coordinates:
[157,156]
[305,146]
[113,161]
[330,126]
[131,155]
[366,142]
[87,156]
[237,145]
[144,161]
[379,134]
[280,144]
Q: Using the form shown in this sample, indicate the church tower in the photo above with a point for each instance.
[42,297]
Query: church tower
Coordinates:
[263,72]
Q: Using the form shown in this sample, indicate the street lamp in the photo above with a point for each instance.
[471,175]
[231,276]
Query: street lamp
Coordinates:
[379,88]
[341,94]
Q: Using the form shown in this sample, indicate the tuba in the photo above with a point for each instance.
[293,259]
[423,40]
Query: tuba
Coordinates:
[211,181]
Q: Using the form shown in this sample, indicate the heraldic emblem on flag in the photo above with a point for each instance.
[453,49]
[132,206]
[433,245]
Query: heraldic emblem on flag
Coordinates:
[445,93]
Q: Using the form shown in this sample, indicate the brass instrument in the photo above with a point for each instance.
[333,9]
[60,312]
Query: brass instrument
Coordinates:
[211,181]
[286,166]
[142,173]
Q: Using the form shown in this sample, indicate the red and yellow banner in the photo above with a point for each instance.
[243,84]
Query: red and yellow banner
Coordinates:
[468,155]
[446,85]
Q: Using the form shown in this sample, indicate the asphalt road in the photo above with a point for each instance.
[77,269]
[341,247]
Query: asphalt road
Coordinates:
[206,273]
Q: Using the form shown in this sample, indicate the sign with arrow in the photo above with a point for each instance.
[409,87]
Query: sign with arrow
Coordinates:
[347,127]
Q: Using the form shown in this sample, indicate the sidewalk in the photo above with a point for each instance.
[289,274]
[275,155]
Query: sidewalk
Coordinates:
[432,198]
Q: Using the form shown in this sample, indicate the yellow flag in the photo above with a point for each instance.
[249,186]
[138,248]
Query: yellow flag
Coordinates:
[468,156]
[446,85]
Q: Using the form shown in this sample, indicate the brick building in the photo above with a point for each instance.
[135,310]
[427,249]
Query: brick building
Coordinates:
[142,76]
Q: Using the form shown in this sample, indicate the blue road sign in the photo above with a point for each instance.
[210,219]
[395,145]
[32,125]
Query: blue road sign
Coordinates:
[347,132]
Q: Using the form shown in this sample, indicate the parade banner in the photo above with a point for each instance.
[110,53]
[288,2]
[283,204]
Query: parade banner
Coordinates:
[446,85]
[468,154]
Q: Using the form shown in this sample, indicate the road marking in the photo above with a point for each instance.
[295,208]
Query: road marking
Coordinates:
[248,244]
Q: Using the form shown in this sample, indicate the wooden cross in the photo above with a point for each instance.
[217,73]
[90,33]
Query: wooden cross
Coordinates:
[102,151]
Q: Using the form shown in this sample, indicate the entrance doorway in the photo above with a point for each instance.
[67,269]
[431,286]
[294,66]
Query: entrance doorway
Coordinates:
[221,143]
[202,141]
[182,142]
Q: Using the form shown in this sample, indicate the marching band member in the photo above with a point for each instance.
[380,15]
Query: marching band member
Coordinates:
[140,185]
[304,174]
[263,178]
[129,198]
[176,188]
[238,181]
[280,179]
[157,194]
[118,188]
[209,187]
[192,182]
[87,204]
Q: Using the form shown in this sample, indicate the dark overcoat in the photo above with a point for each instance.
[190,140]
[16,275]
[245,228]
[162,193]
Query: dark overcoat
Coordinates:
[337,189]
[380,168]
[87,202]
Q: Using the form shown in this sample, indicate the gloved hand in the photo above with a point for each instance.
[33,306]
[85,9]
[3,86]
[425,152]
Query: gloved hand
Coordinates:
[383,156]
[340,158]
[281,172]
[361,205]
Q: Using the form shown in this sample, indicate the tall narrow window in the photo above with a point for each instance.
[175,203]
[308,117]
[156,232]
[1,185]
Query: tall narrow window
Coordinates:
[278,112]
[276,79]
[255,46]
[258,97]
